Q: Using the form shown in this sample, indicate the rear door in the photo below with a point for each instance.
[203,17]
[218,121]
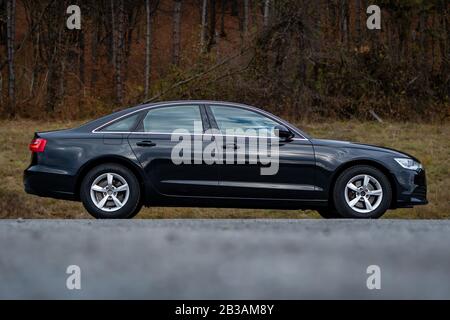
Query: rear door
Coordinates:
[168,143]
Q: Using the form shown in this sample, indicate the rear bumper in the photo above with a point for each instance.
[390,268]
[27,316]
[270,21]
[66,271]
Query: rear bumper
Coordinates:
[49,182]
[411,189]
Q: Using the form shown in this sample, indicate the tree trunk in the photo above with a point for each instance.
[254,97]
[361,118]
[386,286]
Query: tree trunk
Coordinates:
[344,21]
[443,43]
[11,33]
[222,18]
[212,25]
[56,43]
[245,27]
[235,8]
[32,14]
[423,47]
[204,25]
[61,79]
[120,51]
[176,32]
[117,48]
[1,88]
[130,25]
[241,28]
[148,48]
[433,49]
[94,53]
[113,38]
[37,68]
[358,23]
[266,17]
[81,59]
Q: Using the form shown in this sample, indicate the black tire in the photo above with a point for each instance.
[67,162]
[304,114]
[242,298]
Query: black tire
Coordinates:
[132,205]
[339,193]
[329,213]
[136,211]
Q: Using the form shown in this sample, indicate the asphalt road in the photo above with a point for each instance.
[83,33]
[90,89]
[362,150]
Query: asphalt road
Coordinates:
[225,259]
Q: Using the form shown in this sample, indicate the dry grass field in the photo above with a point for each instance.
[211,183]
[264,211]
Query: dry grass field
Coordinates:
[429,142]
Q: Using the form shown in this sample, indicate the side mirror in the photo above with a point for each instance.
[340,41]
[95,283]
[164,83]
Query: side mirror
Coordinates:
[284,133]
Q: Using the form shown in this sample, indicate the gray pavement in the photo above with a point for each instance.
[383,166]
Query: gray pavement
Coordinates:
[225,259]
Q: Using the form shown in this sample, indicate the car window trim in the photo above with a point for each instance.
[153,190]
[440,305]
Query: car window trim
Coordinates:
[128,115]
[206,123]
[211,118]
[198,105]
[267,115]
[142,117]
[300,135]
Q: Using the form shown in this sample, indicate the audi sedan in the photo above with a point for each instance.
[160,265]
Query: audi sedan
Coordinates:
[116,164]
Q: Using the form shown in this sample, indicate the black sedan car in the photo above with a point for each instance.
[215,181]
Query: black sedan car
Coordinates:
[120,162]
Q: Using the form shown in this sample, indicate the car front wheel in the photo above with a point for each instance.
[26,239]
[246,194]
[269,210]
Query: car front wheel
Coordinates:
[111,191]
[362,192]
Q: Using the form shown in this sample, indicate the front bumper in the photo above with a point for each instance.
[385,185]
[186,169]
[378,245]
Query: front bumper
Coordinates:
[49,182]
[411,188]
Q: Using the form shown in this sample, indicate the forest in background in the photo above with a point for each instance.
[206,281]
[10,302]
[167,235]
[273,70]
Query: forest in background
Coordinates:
[297,58]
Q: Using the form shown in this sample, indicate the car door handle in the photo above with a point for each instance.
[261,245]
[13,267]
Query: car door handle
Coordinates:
[146,143]
[231,145]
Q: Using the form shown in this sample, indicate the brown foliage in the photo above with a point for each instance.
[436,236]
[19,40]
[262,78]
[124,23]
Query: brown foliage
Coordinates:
[299,58]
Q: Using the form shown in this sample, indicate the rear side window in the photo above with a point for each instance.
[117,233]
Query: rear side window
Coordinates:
[123,125]
[169,119]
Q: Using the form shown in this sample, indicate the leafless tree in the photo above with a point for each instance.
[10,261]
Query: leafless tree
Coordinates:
[358,22]
[266,13]
[204,26]
[3,24]
[96,14]
[344,21]
[223,6]
[149,10]
[148,49]
[81,59]
[117,21]
[176,32]
[212,25]
[113,38]
[245,23]
[54,52]
[131,18]
[11,35]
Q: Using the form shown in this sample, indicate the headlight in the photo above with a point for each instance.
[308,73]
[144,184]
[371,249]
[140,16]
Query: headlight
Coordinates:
[408,163]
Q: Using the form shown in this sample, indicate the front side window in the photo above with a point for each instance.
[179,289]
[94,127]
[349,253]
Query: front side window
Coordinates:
[169,119]
[231,119]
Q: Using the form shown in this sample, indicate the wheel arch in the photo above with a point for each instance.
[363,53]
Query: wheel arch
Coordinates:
[367,162]
[135,169]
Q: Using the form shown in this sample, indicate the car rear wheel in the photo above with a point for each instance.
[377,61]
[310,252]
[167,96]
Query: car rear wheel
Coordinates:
[111,191]
[362,192]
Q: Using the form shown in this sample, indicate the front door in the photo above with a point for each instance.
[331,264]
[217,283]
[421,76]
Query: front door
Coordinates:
[292,180]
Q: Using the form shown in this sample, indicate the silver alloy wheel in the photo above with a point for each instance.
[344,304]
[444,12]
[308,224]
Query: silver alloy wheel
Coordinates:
[110,192]
[363,193]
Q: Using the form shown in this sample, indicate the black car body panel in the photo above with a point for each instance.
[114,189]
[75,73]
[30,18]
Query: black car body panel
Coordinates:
[307,167]
[332,157]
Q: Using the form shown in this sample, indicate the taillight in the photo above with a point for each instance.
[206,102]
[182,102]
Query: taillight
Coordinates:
[38,145]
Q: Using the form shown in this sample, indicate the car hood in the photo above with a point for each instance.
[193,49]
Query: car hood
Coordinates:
[362,146]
